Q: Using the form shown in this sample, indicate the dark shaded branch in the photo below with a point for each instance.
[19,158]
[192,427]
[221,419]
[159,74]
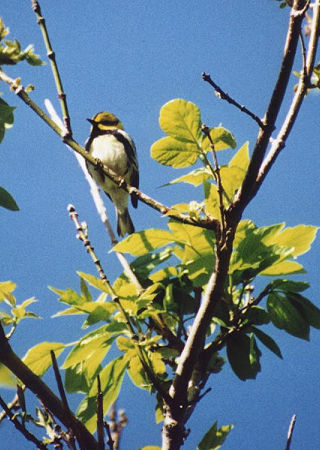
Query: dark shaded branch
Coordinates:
[44,393]
[100,425]
[20,427]
[59,380]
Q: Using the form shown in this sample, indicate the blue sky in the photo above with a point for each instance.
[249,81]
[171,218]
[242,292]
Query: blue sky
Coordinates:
[131,58]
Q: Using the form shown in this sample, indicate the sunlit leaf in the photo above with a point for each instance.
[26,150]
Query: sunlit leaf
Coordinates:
[195,177]
[221,138]
[181,120]
[144,242]
[7,379]
[283,268]
[95,282]
[38,358]
[171,152]
[241,158]
[111,378]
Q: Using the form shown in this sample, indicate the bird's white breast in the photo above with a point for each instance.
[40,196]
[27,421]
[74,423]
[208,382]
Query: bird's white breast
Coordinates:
[111,152]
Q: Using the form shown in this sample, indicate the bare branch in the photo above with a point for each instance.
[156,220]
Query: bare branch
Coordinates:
[221,94]
[290,432]
[249,189]
[59,380]
[100,426]
[54,67]
[304,81]
[20,427]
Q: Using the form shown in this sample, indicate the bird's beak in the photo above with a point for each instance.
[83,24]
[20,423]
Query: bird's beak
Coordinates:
[91,121]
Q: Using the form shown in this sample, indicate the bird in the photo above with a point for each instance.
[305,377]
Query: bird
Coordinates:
[115,149]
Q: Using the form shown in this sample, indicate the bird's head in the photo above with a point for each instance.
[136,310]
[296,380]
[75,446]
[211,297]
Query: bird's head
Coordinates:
[105,121]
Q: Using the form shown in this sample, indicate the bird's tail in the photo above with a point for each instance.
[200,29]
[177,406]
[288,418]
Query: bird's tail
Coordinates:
[125,224]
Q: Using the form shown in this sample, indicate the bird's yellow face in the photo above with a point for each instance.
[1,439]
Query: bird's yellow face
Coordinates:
[106,121]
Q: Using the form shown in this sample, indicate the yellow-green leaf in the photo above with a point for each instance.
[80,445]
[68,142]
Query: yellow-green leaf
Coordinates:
[6,287]
[95,282]
[38,358]
[181,119]
[221,138]
[283,268]
[144,242]
[241,158]
[300,238]
[7,379]
[172,152]
[196,177]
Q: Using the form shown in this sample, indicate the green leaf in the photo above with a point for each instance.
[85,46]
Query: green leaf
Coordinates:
[257,315]
[7,201]
[111,378]
[309,311]
[243,355]
[89,344]
[221,138]
[181,120]
[299,238]
[267,341]
[195,177]
[285,316]
[144,242]
[6,289]
[215,437]
[95,282]
[171,152]
[283,268]
[6,117]
[241,158]
[288,285]
[38,358]
[145,264]
[7,379]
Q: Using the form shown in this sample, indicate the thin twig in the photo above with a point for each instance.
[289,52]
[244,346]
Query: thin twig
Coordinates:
[217,176]
[82,235]
[59,380]
[221,94]
[110,440]
[54,67]
[100,427]
[20,427]
[290,432]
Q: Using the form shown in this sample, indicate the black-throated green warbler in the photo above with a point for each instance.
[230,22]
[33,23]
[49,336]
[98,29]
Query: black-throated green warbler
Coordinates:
[109,143]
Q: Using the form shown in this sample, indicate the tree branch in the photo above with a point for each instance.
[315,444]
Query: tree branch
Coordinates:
[17,88]
[42,391]
[290,432]
[247,190]
[54,67]
[221,94]
[304,82]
